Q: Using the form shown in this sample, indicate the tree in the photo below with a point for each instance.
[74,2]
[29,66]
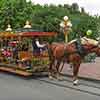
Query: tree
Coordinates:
[47,17]
[75,7]
[82,10]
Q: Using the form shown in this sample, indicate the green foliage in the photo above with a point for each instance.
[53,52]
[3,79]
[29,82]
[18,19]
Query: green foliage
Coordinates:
[47,17]
[90,57]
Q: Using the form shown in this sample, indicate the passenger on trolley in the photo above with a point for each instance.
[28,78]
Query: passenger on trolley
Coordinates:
[37,47]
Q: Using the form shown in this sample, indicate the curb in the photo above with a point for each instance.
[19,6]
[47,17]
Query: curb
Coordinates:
[84,78]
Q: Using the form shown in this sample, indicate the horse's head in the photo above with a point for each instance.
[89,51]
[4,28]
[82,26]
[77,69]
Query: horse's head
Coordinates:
[98,49]
[92,46]
[89,45]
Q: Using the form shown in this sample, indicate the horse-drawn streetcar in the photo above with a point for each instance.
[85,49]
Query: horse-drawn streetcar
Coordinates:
[19,55]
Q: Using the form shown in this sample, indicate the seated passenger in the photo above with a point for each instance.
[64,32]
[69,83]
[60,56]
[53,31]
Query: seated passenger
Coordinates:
[37,47]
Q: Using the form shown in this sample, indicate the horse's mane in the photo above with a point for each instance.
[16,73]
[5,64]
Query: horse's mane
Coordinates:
[85,41]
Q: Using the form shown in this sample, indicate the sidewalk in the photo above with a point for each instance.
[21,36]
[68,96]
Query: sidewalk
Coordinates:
[87,70]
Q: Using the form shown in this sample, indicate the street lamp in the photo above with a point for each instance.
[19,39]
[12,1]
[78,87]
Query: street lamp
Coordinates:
[66,27]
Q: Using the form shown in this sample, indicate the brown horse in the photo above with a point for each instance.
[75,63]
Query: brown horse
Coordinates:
[69,52]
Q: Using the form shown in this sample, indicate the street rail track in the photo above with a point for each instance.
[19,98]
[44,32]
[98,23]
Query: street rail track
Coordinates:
[66,84]
[72,87]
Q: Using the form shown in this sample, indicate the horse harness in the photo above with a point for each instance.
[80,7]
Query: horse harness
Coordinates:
[79,49]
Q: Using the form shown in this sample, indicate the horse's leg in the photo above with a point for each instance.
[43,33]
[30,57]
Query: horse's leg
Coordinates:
[75,73]
[50,71]
[57,70]
[60,70]
[53,68]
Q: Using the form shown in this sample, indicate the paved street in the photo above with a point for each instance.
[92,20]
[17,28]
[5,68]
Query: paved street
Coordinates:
[87,70]
[41,88]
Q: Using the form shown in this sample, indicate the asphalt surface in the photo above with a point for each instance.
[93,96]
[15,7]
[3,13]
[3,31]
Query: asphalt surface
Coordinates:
[41,88]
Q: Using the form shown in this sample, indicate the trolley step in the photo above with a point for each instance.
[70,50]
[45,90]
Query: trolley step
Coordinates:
[15,71]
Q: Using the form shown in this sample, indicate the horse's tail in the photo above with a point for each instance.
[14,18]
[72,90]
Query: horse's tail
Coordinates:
[50,52]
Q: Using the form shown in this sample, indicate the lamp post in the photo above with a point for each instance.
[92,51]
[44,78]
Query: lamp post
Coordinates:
[66,27]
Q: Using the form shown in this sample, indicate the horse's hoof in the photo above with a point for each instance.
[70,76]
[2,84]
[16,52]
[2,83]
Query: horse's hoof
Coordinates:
[75,82]
[50,77]
[59,78]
